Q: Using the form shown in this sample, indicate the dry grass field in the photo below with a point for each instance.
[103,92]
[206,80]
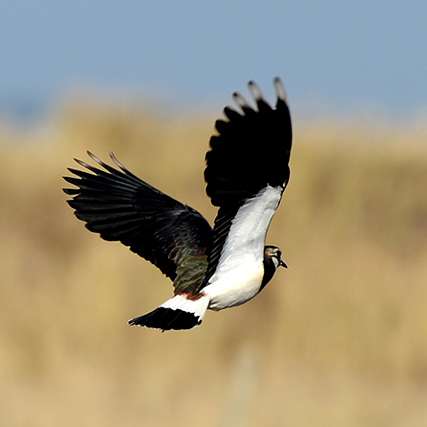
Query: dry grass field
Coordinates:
[338,339]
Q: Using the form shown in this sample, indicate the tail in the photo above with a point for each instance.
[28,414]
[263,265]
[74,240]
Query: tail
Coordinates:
[177,313]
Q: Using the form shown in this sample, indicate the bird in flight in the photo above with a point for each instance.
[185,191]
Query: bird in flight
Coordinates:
[247,170]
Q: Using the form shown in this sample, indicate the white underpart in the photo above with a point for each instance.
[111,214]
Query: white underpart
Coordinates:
[198,307]
[240,269]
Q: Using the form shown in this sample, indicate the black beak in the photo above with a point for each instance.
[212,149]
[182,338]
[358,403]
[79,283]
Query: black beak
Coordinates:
[282,263]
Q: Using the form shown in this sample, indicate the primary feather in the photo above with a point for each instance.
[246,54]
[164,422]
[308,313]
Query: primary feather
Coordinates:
[119,206]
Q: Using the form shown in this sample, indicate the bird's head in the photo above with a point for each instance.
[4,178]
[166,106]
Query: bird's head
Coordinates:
[275,255]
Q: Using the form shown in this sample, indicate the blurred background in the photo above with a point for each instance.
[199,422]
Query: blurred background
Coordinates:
[340,338]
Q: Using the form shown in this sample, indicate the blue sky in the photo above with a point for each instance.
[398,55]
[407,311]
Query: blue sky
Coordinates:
[336,55]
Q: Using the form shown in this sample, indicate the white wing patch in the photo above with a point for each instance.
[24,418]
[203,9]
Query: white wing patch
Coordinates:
[240,268]
[246,238]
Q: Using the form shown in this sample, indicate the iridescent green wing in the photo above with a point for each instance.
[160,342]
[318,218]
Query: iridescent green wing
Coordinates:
[121,207]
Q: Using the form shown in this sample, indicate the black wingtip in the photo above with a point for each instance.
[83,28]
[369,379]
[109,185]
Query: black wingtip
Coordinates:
[167,319]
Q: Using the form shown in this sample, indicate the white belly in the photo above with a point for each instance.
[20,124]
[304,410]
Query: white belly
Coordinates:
[236,287]
[240,269]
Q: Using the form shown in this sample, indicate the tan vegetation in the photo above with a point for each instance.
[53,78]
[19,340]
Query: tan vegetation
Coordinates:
[338,339]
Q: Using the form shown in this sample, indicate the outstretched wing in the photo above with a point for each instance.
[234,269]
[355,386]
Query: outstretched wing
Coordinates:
[250,153]
[120,206]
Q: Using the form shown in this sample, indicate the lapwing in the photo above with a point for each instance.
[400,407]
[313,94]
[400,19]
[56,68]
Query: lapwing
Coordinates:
[247,170]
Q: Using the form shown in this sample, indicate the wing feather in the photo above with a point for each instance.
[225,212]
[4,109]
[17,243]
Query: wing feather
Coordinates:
[121,207]
[250,152]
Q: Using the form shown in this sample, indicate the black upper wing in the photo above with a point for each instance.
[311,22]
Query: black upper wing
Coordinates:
[120,206]
[251,151]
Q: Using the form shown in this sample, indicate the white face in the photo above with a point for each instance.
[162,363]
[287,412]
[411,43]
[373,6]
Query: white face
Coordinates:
[275,261]
[274,254]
